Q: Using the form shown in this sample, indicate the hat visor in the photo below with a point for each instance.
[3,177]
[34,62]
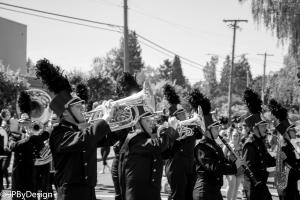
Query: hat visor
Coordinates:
[215,124]
[261,123]
[146,115]
[290,127]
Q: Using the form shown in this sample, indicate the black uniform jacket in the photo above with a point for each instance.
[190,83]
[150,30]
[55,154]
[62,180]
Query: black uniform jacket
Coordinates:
[75,159]
[291,192]
[23,165]
[211,165]
[258,160]
[141,165]
[180,165]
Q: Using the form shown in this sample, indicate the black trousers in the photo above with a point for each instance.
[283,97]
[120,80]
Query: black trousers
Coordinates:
[115,177]
[42,179]
[76,192]
[259,192]
[104,153]
[181,178]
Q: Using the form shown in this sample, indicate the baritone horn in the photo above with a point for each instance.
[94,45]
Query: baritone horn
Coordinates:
[196,120]
[40,115]
[127,114]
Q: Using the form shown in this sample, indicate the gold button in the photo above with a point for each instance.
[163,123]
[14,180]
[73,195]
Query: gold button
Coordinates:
[85,164]
[154,170]
[86,177]
[181,150]
[83,151]
[154,160]
[153,180]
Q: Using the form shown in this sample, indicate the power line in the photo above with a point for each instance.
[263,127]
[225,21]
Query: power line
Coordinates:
[184,59]
[171,55]
[167,50]
[60,20]
[60,15]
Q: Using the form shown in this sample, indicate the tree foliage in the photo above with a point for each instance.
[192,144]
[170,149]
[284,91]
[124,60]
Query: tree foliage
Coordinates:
[282,17]
[10,86]
[239,79]
[112,65]
[210,84]
[176,73]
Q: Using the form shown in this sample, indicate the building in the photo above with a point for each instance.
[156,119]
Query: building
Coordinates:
[13,45]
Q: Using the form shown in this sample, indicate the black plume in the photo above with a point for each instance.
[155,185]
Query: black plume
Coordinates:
[196,98]
[126,85]
[278,110]
[24,102]
[52,76]
[82,91]
[252,101]
[223,120]
[171,95]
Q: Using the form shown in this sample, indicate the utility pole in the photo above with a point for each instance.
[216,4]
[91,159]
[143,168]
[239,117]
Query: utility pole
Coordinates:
[234,25]
[126,53]
[264,76]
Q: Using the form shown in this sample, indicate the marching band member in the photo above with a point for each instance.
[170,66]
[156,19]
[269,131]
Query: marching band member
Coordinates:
[254,151]
[23,143]
[179,165]
[141,162]
[210,161]
[73,142]
[3,150]
[126,86]
[291,172]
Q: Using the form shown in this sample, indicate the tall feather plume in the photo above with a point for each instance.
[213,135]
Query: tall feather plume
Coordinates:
[196,98]
[252,101]
[24,102]
[278,110]
[171,95]
[82,91]
[52,76]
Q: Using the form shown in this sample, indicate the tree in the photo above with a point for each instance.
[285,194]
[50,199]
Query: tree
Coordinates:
[282,17]
[30,67]
[113,64]
[10,86]
[209,71]
[176,73]
[101,88]
[239,75]
[165,69]
[135,59]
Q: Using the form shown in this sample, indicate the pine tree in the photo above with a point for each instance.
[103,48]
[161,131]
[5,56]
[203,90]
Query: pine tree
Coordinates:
[176,73]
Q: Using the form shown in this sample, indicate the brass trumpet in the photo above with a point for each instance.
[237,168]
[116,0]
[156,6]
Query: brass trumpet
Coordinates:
[127,114]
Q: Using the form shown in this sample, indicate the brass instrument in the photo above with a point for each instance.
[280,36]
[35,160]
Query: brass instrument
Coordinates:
[40,116]
[282,170]
[127,114]
[184,129]
[5,116]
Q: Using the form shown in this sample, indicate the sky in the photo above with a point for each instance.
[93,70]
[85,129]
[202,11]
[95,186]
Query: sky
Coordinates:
[193,29]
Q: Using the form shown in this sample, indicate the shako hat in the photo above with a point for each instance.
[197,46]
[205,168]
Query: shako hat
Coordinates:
[282,115]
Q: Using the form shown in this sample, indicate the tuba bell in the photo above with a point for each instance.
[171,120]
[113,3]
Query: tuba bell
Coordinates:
[40,116]
[5,116]
[282,169]
[127,114]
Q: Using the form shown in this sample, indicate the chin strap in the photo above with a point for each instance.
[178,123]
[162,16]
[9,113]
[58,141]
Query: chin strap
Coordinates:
[211,135]
[72,115]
